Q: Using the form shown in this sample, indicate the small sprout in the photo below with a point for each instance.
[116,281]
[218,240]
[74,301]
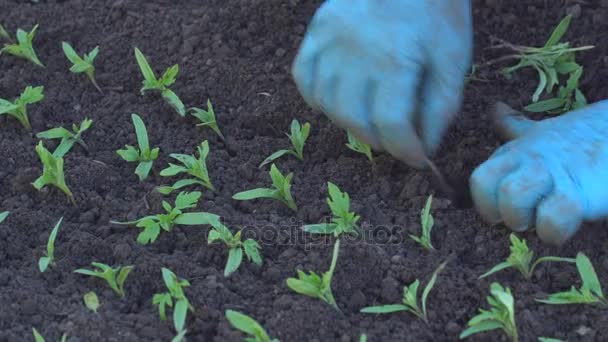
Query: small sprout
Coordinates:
[359,146]
[316,286]
[3,215]
[40,338]
[549,339]
[23,48]
[4,34]
[52,172]
[142,155]
[18,108]
[91,301]
[160,84]
[281,190]
[236,247]
[195,167]
[298,137]
[500,316]
[153,224]
[82,64]
[68,139]
[343,222]
[114,276]
[410,299]
[590,291]
[49,258]
[207,118]
[363,338]
[427,222]
[176,294]
[248,326]
[520,259]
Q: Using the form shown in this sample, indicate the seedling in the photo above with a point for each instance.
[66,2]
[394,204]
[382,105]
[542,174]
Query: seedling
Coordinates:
[500,316]
[427,222]
[298,137]
[4,34]
[49,258]
[195,167]
[68,139]
[82,64]
[40,338]
[280,191]
[91,301]
[410,299]
[343,221]
[590,291]
[3,216]
[359,146]
[207,118]
[317,286]
[23,48]
[176,294]
[363,338]
[549,339]
[520,259]
[18,107]
[236,247]
[160,84]
[174,215]
[52,172]
[248,326]
[114,276]
[143,155]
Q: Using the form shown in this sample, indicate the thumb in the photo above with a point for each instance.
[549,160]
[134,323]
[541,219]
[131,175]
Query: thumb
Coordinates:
[509,123]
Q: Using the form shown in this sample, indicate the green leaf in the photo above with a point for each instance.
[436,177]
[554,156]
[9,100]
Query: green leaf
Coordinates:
[429,286]
[320,228]
[3,215]
[145,68]
[129,153]
[559,31]
[541,85]
[255,193]
[37,336]
[588,275]
[142,134]
[185,200]
[195,219]
[91,301]
[43,263]
[180,336]
[252,251]
[235,257]
[54,133]
[174,101]
[247,325]
[503,265]
[545,105]
[122,277]
[143,169]
[481,327]
[70,53]
[382,309]
[179,314]
[274,156]
[169,76]
[304,288]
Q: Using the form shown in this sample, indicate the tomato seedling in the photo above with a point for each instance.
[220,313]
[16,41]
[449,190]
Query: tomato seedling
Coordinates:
[359,146]
[3,215]
[91,301]
[521,257]
[52,172]
[142,154]
[299,135]
[160,84]
[114,276]
[500,316]
[317,286]
[195,167]
[68,139]
[590,291]
[23,48]
[207,118]
[40,338]
[343,221]
[236,247]
[175,298]
[427,222]
[49,258]
[18,107]
[280,191]
[82,64]
[410,299]
[248,326]
[174,215]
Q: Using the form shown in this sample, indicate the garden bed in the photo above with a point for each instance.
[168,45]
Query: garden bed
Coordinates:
[238,54]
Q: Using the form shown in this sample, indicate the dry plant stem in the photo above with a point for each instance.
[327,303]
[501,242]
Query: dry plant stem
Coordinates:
[445,186]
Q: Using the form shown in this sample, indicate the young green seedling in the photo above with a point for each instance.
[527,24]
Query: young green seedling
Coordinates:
[248,326]
[23,48]
[82,64]
[175,298]
[68,139]
[410,299]
[114,276]
[343,221]
[359,146]
[52,172]
[299,135]
[427,222]
[195,167]
[40,338]
[160,84]
[280,191]
[91,301]
[363,338]
[4,34]
[143,155]
[174,215]
[3,216]
[317,286]
[549,339]
[207,118]
[590,291]
[18,107]
[49,258]
[236,247]
[520,259]
[500,316]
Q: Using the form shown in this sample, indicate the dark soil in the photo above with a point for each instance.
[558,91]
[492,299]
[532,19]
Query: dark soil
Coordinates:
[238,53]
